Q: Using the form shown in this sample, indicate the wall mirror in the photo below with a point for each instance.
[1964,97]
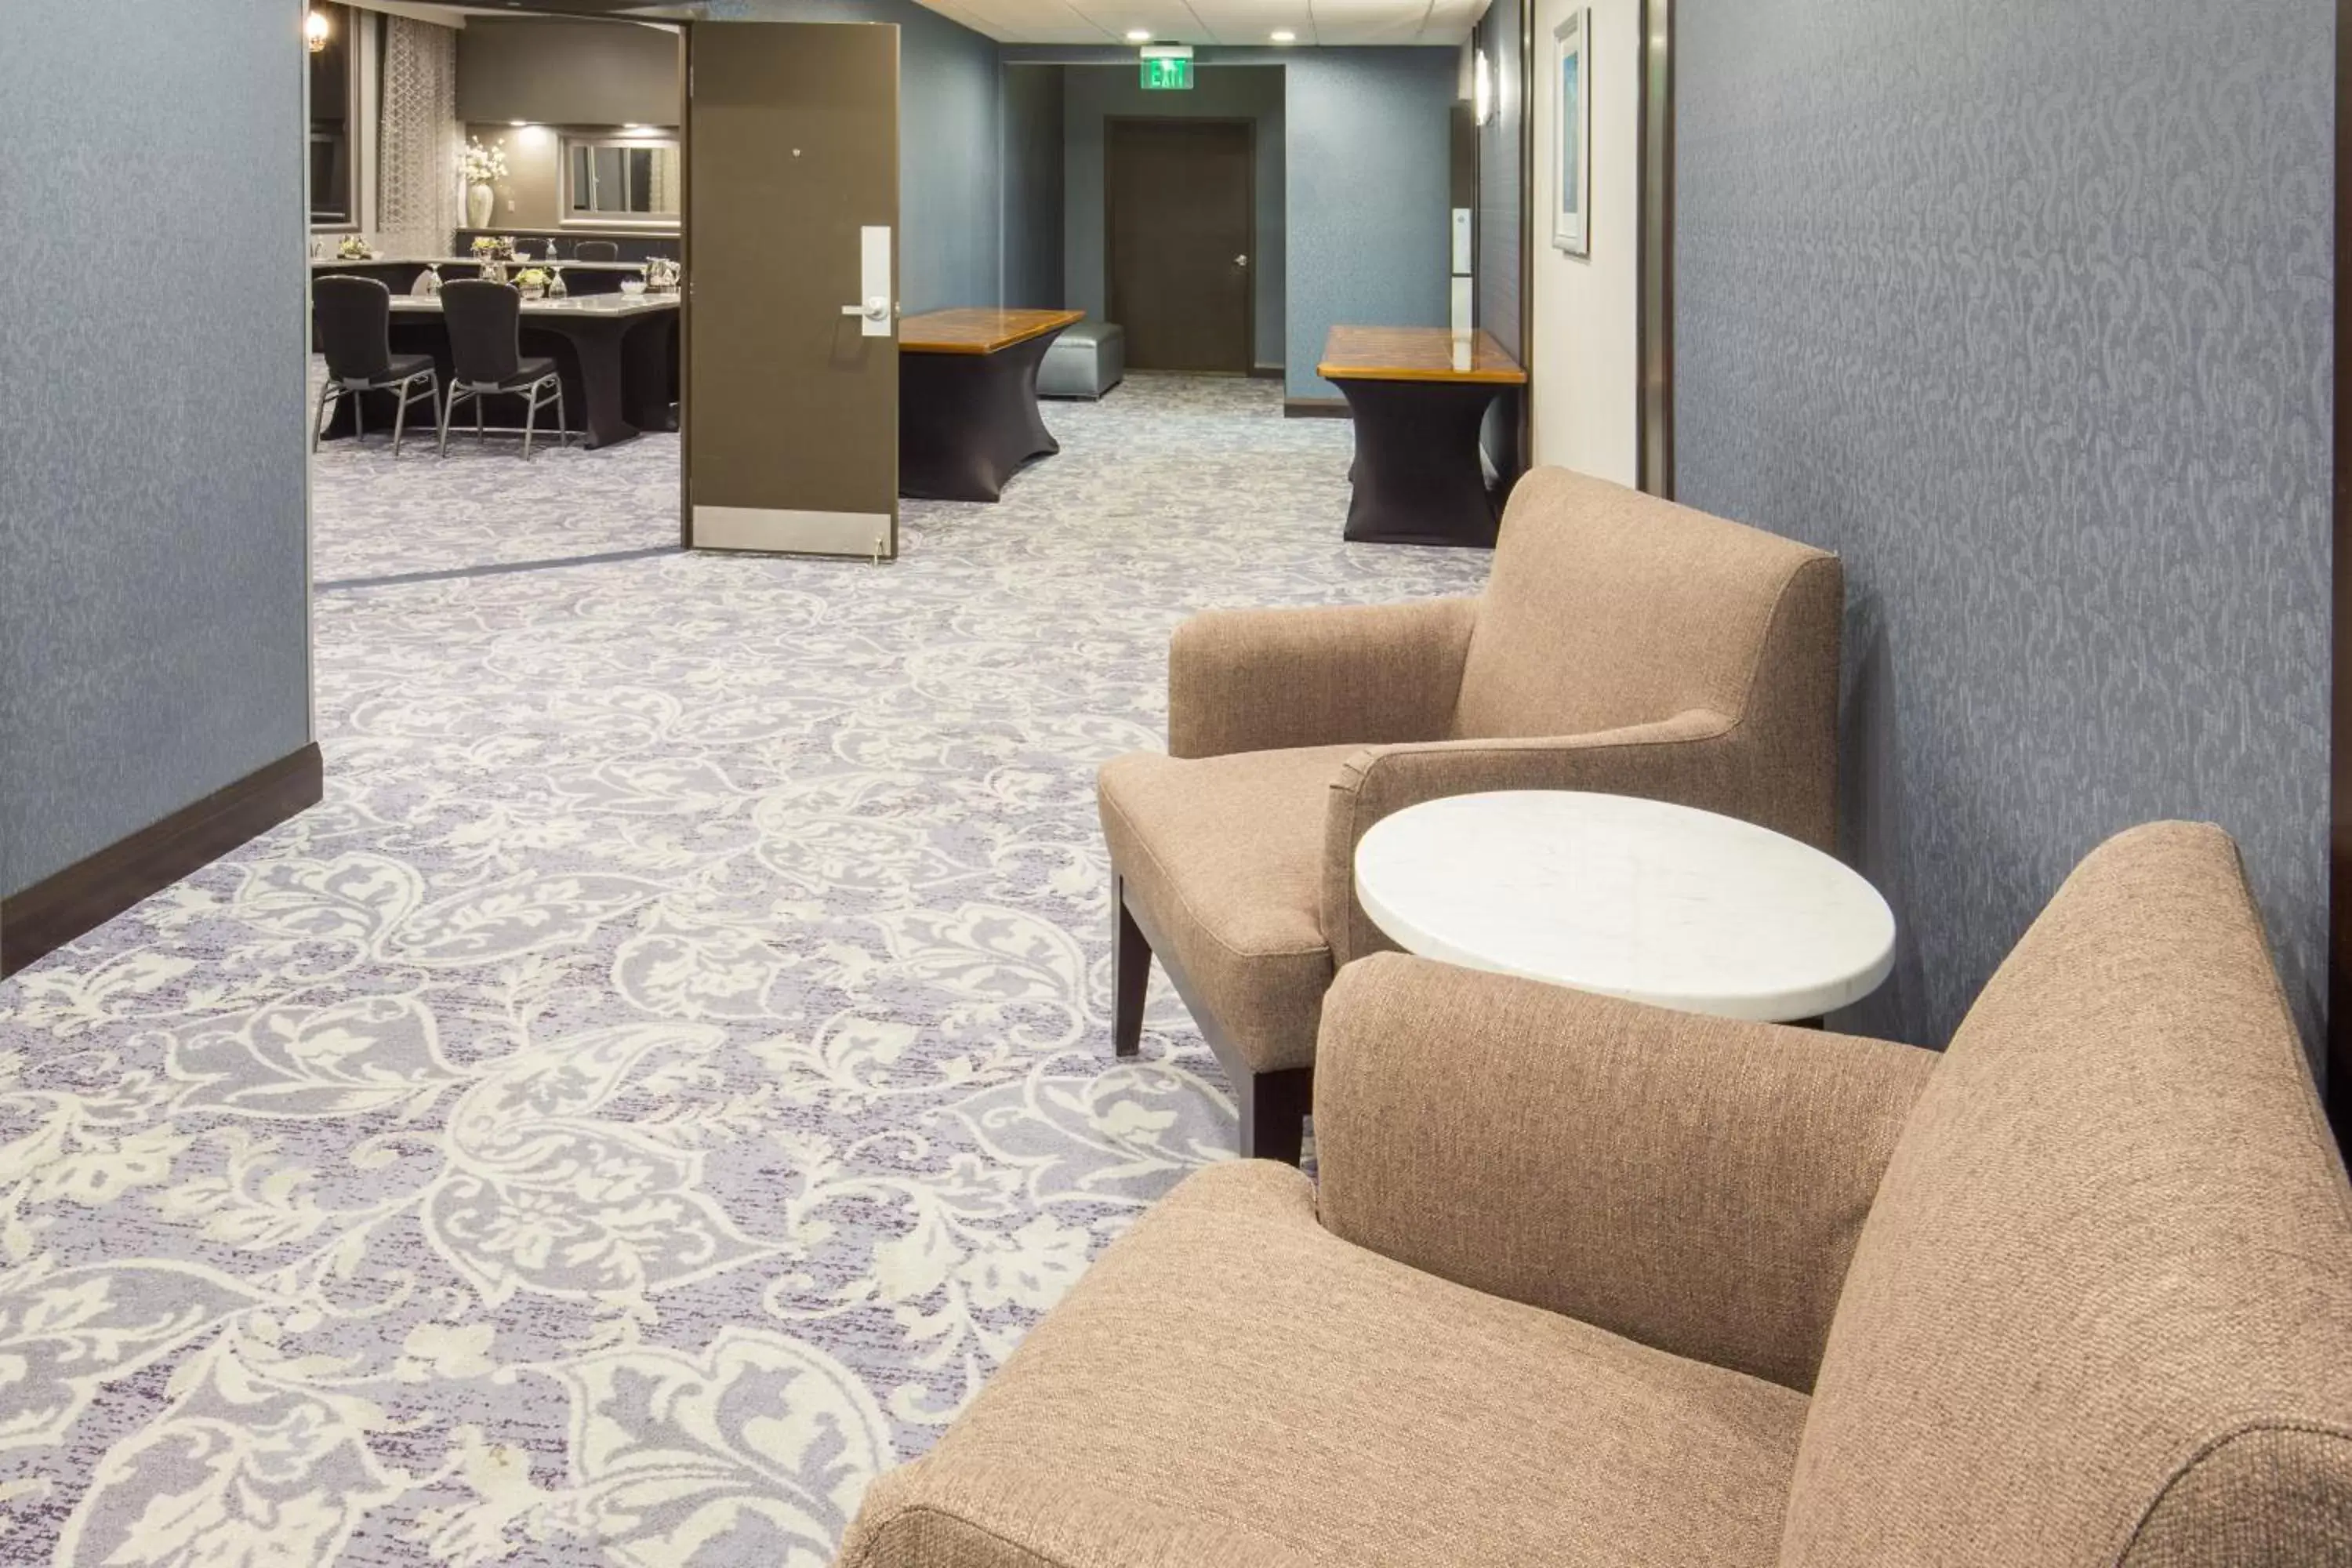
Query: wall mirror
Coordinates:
[620,180]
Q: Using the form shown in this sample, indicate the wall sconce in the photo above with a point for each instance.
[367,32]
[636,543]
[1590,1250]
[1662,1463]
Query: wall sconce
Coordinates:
[1482,87]
[314,31]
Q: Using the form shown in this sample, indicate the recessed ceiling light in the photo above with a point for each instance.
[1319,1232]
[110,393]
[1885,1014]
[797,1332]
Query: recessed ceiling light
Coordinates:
[1138,36]
[1285,35]
[518,123]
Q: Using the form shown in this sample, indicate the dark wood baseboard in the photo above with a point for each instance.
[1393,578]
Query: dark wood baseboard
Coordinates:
[1315,408]
[90,892]
[1266,372]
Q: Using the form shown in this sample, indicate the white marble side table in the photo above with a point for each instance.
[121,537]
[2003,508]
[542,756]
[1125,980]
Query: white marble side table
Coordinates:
[1637,898]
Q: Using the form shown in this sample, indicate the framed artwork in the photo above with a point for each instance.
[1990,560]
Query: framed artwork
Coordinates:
[1571,85]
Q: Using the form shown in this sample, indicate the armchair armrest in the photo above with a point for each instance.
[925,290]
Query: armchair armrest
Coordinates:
[1695,1183]
[1696,758]
[1258,680]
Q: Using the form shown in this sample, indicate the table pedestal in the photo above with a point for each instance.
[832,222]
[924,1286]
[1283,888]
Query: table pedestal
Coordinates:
[968,421]
[1417,476]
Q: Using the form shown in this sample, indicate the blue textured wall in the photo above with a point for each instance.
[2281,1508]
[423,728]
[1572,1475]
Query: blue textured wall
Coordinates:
[2024,310]
[153,622]
[1251,92]
[950,190]
[1369,140]
[1033,187]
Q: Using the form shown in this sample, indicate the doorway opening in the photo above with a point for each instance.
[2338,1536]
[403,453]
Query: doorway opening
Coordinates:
[1178,219]
[1161,212]
[504,209]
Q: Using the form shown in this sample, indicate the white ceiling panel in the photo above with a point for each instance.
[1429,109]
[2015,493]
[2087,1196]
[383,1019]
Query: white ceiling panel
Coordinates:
[1205,22]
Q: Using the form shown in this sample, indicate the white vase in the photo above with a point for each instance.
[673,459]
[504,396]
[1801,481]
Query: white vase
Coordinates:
[479,202]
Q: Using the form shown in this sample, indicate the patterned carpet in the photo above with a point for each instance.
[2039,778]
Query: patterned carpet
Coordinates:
[671,1070]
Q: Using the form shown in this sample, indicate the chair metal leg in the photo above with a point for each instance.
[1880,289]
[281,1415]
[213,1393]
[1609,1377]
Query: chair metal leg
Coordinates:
[400,420]
[448,409]
[563,421]
[529,421]
[318,417]
[440,414]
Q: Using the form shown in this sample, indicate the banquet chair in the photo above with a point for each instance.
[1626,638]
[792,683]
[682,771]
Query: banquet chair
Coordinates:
[486,355]
[354,317]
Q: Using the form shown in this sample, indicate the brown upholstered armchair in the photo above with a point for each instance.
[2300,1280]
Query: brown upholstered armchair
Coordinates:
[1588,1283]
[1623,644]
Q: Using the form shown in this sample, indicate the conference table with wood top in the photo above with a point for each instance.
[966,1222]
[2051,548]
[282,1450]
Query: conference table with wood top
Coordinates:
[616,353]
[968,414]
[1418,395]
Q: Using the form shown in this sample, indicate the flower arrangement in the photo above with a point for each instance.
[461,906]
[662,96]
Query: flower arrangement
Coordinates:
[530,279]
[489,247]
[480,165]
[355,249]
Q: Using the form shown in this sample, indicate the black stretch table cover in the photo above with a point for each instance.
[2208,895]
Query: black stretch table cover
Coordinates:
[619,372]
[967,422]
[1417,475]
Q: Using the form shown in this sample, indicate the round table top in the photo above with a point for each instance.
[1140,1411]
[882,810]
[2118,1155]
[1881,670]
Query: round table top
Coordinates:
[1638,899]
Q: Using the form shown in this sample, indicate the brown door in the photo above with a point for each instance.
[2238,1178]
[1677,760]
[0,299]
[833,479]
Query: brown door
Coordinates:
[791,352]
[1178,210]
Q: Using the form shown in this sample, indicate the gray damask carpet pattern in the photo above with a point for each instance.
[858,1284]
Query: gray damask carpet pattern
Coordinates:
[670,1070]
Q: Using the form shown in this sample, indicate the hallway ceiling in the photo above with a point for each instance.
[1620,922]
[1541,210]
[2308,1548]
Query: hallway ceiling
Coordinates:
[1216,21]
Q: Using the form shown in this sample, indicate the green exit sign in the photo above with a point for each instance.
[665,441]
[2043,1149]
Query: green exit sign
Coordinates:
[1167,76]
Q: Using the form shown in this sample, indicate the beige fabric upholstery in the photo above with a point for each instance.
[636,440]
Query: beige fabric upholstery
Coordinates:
[1232,1384]
[2099,1314]
[1261,681]
[1695,1183]
[1610,609]
[2102,1311]
[1623,644]
[1225,854]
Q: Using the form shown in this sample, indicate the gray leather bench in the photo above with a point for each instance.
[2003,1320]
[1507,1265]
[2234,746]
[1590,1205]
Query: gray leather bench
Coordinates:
[1086,361]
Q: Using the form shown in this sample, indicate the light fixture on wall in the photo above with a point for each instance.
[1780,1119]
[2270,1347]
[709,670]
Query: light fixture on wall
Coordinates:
[1138,36]
[1285,35]
[1482,87]
[314,31]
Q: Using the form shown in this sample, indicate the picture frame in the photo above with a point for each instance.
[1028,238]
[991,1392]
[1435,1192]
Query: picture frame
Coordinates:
[1571,90]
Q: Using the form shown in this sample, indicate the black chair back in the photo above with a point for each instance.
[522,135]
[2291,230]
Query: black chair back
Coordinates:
[597,250]
[485,323]
[354,324]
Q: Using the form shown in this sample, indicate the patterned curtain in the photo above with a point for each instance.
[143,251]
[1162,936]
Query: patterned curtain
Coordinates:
[417,140]
[664,180]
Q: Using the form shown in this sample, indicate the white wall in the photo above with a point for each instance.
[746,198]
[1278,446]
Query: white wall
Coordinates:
[1585,351]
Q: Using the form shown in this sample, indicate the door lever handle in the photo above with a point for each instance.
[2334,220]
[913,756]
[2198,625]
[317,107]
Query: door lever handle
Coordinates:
[876,309]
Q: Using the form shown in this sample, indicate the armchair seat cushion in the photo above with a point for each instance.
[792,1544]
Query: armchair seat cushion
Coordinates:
[1233,1384]
[1224,858]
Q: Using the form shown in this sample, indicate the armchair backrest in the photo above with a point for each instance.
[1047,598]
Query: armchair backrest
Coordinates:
[2101,1312]
[1607,608]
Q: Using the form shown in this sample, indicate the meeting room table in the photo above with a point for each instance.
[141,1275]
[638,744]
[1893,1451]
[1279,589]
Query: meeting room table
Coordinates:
[1418,395]
[617,355]
[968,414]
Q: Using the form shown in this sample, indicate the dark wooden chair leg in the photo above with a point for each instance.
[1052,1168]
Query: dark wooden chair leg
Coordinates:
[1274,1107]
[1131,973]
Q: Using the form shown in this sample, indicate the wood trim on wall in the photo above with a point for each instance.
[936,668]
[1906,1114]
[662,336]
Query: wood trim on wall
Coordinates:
[87,894]
[2339,727]
[1317,408]
[1654,419]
